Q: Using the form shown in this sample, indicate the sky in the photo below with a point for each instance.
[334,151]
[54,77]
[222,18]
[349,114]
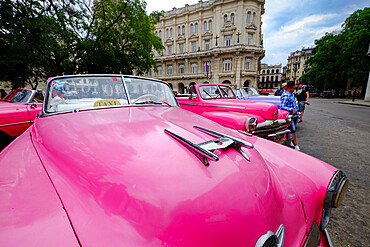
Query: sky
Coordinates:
[288,25]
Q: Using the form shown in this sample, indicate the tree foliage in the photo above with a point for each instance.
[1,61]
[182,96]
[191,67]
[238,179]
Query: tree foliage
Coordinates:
[43,38]
[341,57]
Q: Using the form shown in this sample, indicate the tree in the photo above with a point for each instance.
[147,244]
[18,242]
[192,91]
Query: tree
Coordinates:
[44,38]
[122,38]
[341,57]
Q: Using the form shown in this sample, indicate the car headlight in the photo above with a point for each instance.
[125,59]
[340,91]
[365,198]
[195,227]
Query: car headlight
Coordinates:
[250,124]
[334,196]
[288,118]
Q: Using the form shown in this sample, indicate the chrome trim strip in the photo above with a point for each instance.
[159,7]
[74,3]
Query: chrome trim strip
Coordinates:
[6,125]
[236,140]
[223,106]
[330,240]
[194,147]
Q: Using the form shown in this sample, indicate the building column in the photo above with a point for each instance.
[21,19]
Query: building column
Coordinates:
[238,71]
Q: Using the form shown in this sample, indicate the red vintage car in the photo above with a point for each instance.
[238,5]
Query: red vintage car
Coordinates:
[121,164]
[17,112]
[218,103]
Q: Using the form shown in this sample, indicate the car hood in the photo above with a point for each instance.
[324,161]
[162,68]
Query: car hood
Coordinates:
[124,182]
[265,98]
[264,109]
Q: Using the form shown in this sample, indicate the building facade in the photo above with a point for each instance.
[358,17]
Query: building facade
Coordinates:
[215,41]
[296,66]
[270,78]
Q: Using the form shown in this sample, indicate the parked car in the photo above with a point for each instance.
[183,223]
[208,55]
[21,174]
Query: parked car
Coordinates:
[250,93]
[219,103]
[137,170]
[17,111]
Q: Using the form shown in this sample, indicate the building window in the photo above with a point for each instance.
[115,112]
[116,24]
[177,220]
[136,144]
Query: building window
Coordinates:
[207,44]
[210,26]
[181,48]
[248,63]
[170,69]
[253,18]
[205,26]
[194,68]
[272,78]
[196,27]
[191,28]
[228,40]
[182,68]
[225,18]
[159,70]
[171,32]
[150,72]
[250,38]
[179,31]
[228,64]
[194,46]
[268,71]
[263,71]
[232,17]
[277,78]
[263,79]
[277,71]
[167,33]
[169,49]
[267,78]
[207,67]
[248,17]
[160,34]
[183,30]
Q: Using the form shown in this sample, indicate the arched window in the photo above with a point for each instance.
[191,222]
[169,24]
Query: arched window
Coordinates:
[232,18]
[225,18]
[272,71]
[167,33]
[267,78]
[179,31]
[268,71]
[160,33]
[191,28]
[205,26]
[156,33]
[254,17]
[277,71]
[171,32]
[249,17]
[210,26]
[196,27]
[183,30]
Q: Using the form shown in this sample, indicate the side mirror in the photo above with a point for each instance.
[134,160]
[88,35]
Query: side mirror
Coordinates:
[193,97]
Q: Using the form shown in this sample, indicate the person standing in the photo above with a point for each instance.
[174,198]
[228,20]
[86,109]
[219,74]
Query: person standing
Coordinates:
[283,88]
[289,103]
[302,95]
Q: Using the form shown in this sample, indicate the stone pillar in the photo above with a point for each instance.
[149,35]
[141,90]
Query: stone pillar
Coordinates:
[238,70]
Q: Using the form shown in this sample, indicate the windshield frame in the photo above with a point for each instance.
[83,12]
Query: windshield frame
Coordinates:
[123,78]
[219,87]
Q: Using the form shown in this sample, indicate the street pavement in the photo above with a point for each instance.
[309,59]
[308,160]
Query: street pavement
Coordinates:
[338,132]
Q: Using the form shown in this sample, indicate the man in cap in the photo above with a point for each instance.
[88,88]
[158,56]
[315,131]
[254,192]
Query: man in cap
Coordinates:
[289,103]
[302,95]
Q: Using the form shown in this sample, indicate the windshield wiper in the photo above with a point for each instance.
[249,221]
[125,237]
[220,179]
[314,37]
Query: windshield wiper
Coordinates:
[153,102]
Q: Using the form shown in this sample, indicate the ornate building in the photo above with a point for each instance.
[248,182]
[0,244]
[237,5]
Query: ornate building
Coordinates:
[216,41]
[270,78]
[296,66]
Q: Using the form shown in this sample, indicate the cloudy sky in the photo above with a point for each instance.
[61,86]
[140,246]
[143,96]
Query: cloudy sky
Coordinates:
[289,25]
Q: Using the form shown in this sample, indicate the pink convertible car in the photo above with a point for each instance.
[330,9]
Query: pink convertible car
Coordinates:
[119,163]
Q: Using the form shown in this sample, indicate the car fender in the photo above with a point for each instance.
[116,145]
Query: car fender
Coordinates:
[233,120]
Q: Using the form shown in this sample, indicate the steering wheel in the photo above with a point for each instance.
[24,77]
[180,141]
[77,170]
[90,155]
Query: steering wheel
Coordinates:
[155,97]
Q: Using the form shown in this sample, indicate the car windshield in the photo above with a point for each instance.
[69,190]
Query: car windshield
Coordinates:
[216,91]
[19,96]
[249,91]
[89,92]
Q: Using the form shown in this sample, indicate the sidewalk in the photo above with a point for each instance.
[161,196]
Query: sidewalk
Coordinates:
[359,102]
